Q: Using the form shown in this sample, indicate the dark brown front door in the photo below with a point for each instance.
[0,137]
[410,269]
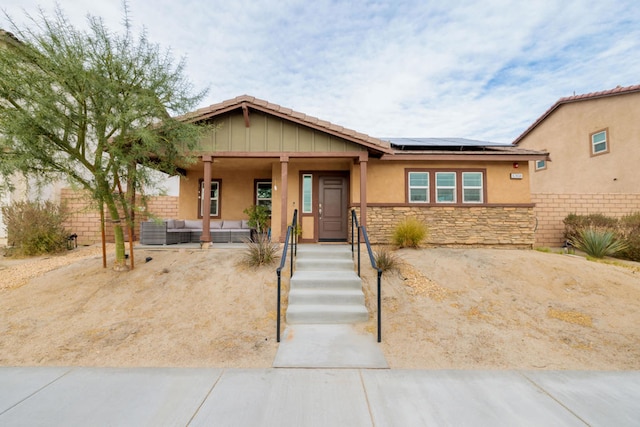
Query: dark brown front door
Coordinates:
[332,208]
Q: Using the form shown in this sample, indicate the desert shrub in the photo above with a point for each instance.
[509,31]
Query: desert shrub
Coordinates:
[386,260]
[630,229]
[573,224]
[260,251]
[598,243]
[409,233]
[35,228]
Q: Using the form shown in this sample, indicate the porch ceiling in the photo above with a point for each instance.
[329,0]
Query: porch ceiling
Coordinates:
[236,164]
[266,164]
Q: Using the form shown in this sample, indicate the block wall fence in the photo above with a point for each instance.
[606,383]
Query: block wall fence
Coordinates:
[551,209]
[84,219]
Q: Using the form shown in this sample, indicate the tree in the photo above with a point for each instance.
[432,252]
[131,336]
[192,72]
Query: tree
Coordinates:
[93,107]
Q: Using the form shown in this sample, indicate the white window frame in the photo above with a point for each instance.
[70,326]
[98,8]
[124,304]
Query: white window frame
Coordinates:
[442,187]
[260,201]
[604,142]
[473,187]
[540,165]
[215,201]
[307,205]
[425,188]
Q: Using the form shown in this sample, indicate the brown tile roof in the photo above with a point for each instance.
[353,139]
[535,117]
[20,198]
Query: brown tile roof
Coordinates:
[575,98]
[286,113]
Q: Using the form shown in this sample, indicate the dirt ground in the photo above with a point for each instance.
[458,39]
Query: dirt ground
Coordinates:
[444,309]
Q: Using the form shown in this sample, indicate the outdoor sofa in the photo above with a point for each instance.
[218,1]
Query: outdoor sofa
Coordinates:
[173,231]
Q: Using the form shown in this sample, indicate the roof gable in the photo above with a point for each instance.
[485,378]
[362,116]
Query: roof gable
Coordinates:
[577,98]
[247,103]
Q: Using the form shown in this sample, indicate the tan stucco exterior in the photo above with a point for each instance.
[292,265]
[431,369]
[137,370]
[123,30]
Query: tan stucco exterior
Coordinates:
[252,140]
[576,181]
[566,134]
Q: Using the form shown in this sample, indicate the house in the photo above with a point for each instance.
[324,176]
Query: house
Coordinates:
[467,192]
[594,141]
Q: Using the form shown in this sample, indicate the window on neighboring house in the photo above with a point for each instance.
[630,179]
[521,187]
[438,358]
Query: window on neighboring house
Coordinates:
[215,199]
[307,193]
[472,187]
[599,143]
[263,194]
[445,187]
[541,164]
[418,187]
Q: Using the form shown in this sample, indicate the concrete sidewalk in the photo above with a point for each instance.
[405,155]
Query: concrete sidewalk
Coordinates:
[315,397]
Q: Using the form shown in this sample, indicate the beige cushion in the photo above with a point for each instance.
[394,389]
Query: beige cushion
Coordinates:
[232,225]
[193,224]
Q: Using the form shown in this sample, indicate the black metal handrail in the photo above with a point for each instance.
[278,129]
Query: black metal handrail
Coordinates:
[293,236]
[362,229]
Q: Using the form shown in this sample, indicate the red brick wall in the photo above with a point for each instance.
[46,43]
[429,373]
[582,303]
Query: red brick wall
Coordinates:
[84,219]
[551,209]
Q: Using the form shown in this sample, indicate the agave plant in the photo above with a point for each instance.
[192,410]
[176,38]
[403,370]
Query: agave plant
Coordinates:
[598,243]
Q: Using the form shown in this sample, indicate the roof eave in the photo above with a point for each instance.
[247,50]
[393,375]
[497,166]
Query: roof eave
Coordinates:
[466,157]
[576,98]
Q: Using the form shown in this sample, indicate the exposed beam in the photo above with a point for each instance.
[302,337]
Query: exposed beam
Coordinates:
[245,113]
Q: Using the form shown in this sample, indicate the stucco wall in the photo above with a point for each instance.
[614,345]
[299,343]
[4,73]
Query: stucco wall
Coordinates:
[386,181]
[551,209]
[566,135]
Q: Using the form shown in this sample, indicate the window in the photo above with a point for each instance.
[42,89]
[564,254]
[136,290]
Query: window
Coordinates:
[472,187]
[307,193]
[263,194]
[599,144]
[215,199]
[441,187]
[445,187]
[418,187]
[541,164]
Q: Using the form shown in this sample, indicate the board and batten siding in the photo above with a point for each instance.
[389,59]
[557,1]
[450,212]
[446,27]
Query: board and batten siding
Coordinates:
[269,134]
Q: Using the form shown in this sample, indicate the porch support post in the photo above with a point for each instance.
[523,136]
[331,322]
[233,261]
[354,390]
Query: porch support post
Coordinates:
[363,188]
[205,238]
[284,185]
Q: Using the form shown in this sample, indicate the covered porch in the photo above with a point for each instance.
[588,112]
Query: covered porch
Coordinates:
[323,187]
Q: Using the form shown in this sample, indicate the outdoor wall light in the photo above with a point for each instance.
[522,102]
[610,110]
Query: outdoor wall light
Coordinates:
[515,165]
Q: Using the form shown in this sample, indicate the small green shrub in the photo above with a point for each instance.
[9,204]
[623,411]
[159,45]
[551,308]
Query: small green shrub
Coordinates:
[35,228]
[259,216]
[598,243]
[260,251]
[630,228]
[573,224]
[409,233]
[386,260]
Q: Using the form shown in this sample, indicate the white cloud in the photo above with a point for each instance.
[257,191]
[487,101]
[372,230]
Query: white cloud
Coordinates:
[475,69]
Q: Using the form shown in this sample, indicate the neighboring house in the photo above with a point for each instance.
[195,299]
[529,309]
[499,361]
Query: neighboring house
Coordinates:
[468,192]
[594,142]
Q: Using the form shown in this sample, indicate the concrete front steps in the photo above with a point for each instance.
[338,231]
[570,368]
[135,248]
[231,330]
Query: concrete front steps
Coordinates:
[325,288]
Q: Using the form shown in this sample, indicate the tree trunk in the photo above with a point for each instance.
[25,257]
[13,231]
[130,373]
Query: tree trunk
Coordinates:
[120,263]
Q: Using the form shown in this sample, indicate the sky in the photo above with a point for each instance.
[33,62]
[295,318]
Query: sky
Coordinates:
[475,69]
